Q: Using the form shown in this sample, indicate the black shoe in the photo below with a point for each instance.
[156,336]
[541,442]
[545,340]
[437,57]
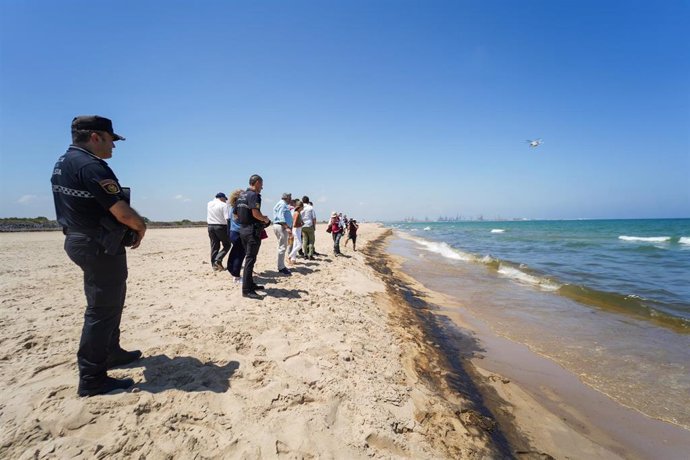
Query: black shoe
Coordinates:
[285,271]
[252,295]
[258,287]
[122,357]
[312,258]
[300,252]
[108,385]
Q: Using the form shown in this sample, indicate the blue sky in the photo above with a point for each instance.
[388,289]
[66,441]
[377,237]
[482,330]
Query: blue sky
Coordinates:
[380,109]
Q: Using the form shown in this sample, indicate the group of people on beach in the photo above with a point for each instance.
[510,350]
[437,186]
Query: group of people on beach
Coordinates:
[98,222]
[338,226]
[293,223]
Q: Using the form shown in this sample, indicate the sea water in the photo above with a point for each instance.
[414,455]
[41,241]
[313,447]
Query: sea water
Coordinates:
[609,300]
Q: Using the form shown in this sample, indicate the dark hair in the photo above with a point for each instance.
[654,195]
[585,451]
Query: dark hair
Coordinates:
[305,199]
[80,136]
[254,179]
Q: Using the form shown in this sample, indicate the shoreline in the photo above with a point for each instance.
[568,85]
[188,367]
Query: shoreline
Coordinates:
[564,418]
[451,378]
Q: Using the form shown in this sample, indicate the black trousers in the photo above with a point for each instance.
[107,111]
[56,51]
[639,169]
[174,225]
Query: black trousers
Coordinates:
[251,242]
[218,234]
[105,286]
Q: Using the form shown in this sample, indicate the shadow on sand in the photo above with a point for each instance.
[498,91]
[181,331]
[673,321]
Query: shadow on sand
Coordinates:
[285,293]
[184,373]
[301,269]
[274,274]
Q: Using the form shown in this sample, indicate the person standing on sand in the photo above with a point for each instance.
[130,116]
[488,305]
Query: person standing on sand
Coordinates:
[309,228]
[291,237]
[314,227]
[336,232]
[352,228]
[217,220]
[341,223]
[236,255]
[252,222]
[282,224]
[98,222]
[297,225]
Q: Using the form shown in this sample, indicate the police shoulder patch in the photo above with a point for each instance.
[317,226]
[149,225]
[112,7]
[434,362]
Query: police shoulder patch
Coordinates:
[110,186]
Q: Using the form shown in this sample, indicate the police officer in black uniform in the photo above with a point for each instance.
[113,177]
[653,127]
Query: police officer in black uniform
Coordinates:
[98,222]
[248,210]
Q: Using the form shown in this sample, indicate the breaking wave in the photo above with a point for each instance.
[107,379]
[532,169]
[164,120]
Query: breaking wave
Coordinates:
[524,277]
[648,239]
[656,312]
[443,249]
[519,273]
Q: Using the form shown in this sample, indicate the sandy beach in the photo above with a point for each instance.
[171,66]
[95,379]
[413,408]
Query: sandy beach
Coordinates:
[341,360]
[313,371]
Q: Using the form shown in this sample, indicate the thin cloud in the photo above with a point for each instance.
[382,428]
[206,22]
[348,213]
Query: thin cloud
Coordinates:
[182,198]
[28,199]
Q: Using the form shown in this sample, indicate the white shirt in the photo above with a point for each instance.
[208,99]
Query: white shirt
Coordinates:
[217,212]
[308,215]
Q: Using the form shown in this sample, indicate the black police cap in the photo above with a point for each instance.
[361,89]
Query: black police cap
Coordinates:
[95,123]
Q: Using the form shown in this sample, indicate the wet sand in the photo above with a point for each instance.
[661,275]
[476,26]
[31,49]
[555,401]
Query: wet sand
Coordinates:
[547,404]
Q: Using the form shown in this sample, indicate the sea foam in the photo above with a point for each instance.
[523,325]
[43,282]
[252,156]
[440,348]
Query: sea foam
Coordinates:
[504,269]
[497,230]
[648,239]
[684,240]
[518,275]
[442,248]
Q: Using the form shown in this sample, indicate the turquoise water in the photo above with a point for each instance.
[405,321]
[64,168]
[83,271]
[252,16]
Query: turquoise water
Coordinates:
[609,300]
[636,267]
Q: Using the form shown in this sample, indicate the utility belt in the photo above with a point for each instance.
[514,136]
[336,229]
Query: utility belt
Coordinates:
[111,235]
[91,232]
[254,228]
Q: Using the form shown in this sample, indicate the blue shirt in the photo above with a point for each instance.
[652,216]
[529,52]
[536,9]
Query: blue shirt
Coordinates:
[282,214]
[234,225]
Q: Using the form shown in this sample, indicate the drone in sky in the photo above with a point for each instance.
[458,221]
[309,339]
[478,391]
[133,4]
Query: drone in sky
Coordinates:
[534,143]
